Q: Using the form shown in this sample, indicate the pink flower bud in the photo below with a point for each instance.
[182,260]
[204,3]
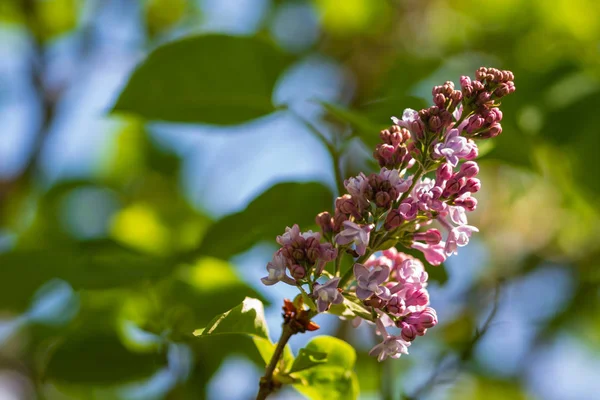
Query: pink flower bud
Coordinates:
[298,254]
[473,185]
[435,123]
[408,332]
[494,130]
[393,220]
[424,319]
[346,205]
[417,298]
[375,302]
[465,81]
[432,236]
[469,169]
[325,222]
[456,96]
[453,186]
[443,173]
[469,203]
[396,305]
[385,151]
[418,129]
[439,100]
[297,271]
[382,199]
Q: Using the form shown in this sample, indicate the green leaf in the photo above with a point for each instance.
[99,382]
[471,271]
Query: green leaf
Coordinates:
[99,359]
[99,264]
[214,79]
[266,217]
[306,359]
[339,353]
[349,309]
[334,378]
[328,383]
[248,318]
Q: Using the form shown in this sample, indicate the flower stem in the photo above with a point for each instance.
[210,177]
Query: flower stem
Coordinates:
[267,385]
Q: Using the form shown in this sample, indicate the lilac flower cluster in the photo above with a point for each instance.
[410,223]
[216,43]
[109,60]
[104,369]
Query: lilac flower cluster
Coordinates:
[427,177]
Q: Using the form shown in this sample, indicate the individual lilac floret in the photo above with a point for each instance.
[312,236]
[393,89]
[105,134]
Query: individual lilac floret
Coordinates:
[358,187]
[392,346]
[411,121]
[276,268]
[393,177]
[459,237]
[357,234]
[434,253]
[411,273]
[454,147]
[369,282]
[327,294]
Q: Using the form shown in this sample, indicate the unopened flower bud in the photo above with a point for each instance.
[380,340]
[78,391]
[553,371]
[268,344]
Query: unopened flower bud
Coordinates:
[298,254]
[443,173]
[469,169]
[432,236]
[298,272]
[408,332]
[435,123]
[426,318]
[473,185]
[325,222]
[393,220]
[417,298]
[346,205]
[439,100]
[395,305]
[469,203]
[382,199]
[375,302]
[494,130]
[453,186]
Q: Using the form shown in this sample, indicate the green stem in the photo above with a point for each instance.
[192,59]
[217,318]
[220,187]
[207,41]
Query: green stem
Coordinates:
[338,263]
[267,386]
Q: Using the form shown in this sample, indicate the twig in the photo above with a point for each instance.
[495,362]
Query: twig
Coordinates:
[267,385]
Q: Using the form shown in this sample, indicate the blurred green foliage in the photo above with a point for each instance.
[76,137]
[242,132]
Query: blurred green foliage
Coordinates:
[151,268]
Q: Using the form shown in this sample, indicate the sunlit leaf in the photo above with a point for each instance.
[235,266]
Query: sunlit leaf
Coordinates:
[248,318]
[195,80]
[306,359]
[333,379]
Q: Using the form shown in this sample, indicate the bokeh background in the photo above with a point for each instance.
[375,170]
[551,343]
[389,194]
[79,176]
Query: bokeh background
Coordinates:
[121,235]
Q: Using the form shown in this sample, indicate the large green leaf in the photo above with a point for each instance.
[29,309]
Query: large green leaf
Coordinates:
[266,217]
[307,358]
[333,379]
[213,79]
[90,265]
[99,359]
[248,318]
